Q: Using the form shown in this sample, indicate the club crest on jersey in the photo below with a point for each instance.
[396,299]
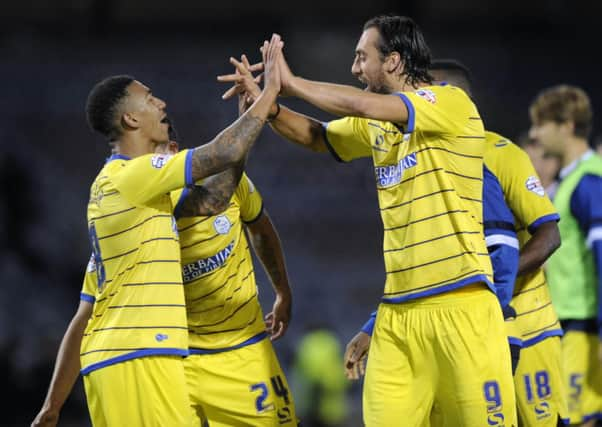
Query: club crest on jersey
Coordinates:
[533,184]
[427,94]
[387,176]
[159,160]
[222,224]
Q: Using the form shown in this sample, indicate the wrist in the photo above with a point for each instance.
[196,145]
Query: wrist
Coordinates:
[293,86]
[274,112]
[284,292]
[270,91]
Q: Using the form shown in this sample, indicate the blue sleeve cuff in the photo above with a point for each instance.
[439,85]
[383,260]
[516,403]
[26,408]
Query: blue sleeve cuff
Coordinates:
[542,220]
[411,112]
[328,144]
[188,168]
[87,298]
[177,210]
[368,327]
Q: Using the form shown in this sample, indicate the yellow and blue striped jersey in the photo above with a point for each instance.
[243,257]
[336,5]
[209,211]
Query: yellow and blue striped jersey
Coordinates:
[219,281]
[140,307]
[536,318]
[429,179]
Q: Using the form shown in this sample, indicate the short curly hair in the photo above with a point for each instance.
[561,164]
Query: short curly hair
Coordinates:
[103,104]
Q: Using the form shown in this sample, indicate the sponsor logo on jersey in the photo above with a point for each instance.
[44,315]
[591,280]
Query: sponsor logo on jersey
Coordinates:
[159,160]
[222,224]
[196,269]
[161,337]
[533,184]
[387,176]
[427,94]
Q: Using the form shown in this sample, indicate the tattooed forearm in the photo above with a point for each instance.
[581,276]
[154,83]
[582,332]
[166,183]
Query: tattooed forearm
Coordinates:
[266,243]
[228,148]
[213,196]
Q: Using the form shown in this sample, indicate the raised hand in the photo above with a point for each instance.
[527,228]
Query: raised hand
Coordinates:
[272,52]
[243,79]
[286,77]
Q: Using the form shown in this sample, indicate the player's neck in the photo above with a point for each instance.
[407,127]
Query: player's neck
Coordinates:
[574,148]
[405,86]
[133,147]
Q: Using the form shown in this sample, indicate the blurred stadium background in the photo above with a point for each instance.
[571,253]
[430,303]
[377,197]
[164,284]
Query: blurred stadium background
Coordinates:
[52,52]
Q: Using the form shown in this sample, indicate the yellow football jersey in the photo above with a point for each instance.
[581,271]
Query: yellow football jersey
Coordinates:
[140,306]
[217,269]
[429,178]
[536,318]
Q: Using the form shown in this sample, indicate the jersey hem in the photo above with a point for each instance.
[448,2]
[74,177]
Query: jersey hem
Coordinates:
[442,289]
[253,340]
[539,338]
[135,355]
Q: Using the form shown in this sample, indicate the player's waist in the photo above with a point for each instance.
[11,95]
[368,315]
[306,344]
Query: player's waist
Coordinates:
[101,360]
[253,340]
[472,288]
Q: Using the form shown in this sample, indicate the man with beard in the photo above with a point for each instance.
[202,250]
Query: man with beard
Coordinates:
[439,336]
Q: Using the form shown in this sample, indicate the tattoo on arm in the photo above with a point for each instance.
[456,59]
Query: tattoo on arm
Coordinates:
[228,148]
[213,196]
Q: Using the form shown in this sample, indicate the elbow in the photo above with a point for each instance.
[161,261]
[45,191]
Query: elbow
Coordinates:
[551,234]
[555,240]
[555,244]
[360,107]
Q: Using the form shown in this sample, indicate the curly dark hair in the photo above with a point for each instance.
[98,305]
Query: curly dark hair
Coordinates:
[401,34]
[103,102]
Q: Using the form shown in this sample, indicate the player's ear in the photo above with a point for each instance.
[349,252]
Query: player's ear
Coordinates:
[394,63]
[130,121]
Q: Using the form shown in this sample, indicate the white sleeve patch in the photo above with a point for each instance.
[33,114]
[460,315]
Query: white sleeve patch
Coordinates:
[594,235]
[160,160]
[533,184]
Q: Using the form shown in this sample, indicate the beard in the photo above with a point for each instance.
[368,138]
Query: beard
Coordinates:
[379,86]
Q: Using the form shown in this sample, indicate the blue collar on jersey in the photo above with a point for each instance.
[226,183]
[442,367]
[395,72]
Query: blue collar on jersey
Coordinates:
[117,157]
